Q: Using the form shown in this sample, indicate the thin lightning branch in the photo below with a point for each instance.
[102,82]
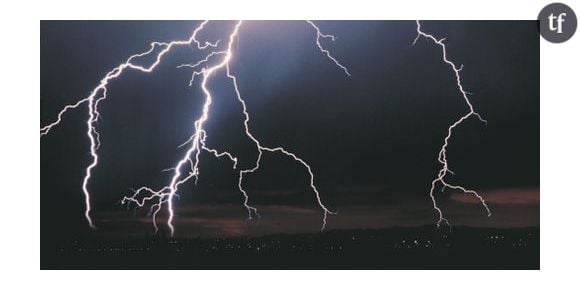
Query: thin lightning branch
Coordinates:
[44,130]
[261,149]
[216,153]
[252,210]
[442,157]
[325,51]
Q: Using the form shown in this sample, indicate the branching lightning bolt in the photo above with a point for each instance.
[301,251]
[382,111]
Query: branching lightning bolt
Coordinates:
[196,142]
[100,93]
[261,148]
[442,156]
[324,50]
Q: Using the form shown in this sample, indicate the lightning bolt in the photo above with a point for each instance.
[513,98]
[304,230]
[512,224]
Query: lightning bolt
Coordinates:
[99,93]
[442,156]
[320,35]
[196,142]
[261,149]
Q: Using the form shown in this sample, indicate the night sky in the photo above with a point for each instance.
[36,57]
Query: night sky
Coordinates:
[372,139]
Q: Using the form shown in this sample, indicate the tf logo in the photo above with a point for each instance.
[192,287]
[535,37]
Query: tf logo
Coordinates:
[557,22]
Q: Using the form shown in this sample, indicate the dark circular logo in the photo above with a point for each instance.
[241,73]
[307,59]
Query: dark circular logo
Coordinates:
[557,22]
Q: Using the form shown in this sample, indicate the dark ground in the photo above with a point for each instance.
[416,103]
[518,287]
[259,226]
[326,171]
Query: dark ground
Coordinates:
[396,248]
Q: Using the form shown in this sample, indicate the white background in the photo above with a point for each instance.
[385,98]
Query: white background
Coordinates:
[20,149]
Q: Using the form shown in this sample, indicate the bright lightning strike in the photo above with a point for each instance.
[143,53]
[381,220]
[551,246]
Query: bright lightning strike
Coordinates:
[205,69]
[442,156]
[197,140]
[100,93]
